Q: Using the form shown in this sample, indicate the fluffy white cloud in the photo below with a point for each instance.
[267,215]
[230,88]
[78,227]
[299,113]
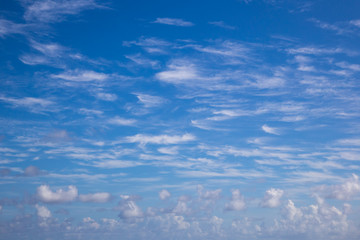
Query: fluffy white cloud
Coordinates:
[160,139]
[174,22]
[45,194]
[343,191]
[100,197]
[272,198]
[237,202]
[208,194]
[43,211]
[129,211]
[164,194]
[317,221]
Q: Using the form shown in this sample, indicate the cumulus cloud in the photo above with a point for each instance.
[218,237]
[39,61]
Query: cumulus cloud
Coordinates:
[160,139]
[164,194]
[43,212]
[208,194]
[270,130]
[100,197]
[312,220]
[45,194]
[272,198]
[237,202]
[343,191]
[129,210]
[174,22]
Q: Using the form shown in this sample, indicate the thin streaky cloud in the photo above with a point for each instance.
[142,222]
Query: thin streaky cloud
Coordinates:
[174,21]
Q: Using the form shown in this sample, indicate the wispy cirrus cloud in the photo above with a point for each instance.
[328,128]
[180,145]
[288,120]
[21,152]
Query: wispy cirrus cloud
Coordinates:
[49,11]
[222,24]
[81,76]
[174,21]
[122,121]
[270,130]
[9,28]
[33,104]
[160,139]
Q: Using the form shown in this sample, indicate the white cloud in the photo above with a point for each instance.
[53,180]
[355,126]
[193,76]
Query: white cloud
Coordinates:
[149,100]
[100,197]
[208,194]
[344,191]
[7,28]
[160,139]
[122,121]
[36,105]
[56,11]
[179,73]
[169,150]
[164,194]
[114,164]
[174,22]
[45,194]
[237,202]
[43,212]
[291,212]
[272,198]
[181,207]
[90,223]
[106,96]
[270,130]
[355,22]
[350,141]
[222,24]
[81,76]
[130,211]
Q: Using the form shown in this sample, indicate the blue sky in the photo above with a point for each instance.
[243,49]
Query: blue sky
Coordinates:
[179,119]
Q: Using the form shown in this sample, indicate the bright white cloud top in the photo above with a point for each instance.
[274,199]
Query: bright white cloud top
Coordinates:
[179,119]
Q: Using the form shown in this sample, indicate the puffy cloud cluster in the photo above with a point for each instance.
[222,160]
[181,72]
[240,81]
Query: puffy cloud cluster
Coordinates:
[42,211]
[237,202]
[272,198]
[164,194]
[45,194]
[129,211]
[318,221]
[343,191]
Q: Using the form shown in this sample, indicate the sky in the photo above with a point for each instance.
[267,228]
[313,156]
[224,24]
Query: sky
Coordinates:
[136,119]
